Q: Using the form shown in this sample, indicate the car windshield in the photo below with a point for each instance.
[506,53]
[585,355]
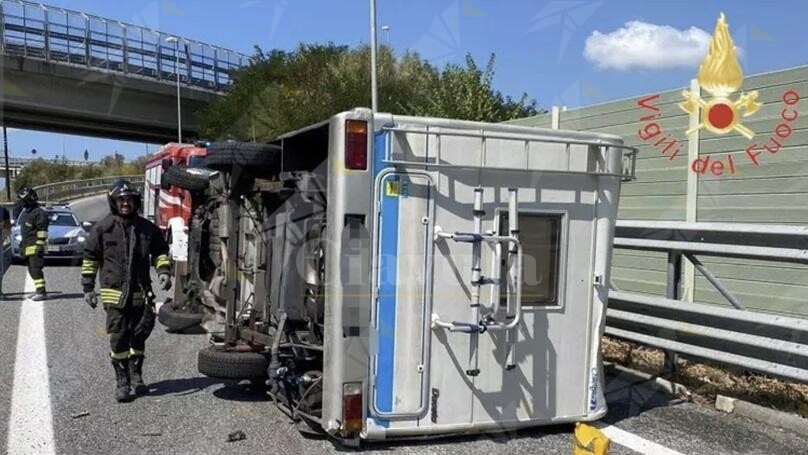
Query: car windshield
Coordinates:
[62,219]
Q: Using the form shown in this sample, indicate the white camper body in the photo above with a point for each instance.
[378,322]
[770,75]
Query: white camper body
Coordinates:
[466,273]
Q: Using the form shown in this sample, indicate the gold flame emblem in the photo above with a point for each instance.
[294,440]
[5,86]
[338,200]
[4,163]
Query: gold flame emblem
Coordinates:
[721,76]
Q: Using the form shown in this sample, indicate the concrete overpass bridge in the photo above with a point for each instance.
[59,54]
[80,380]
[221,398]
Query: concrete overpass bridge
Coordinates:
[71,72]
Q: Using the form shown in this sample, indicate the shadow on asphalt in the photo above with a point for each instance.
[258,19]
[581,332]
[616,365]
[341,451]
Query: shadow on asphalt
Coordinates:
[232,391]
[52,262]
[13,296]
[184,386]
[52,295]
[195,330]
[629,396]
[57,295]
[500,438]
[237,391]
[60,262]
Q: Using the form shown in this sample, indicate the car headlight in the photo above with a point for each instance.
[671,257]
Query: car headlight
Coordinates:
[81,239]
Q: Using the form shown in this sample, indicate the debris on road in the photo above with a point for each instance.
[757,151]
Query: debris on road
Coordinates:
[588,440]
[236,436]
[79,415]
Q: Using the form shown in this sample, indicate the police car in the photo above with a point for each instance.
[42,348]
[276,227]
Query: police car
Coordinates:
[66,235]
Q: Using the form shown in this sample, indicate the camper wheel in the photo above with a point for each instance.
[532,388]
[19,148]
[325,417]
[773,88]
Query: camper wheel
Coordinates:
[177,318]
[222,155]
[220,362]
[185,178]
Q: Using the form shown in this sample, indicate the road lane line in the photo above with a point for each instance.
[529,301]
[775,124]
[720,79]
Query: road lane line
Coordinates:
[634,442]
[30,426]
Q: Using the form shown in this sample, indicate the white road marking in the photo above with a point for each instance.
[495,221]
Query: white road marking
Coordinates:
[30,426]
[634,442]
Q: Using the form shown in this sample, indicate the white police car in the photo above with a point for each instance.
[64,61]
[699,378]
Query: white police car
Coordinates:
[66,235]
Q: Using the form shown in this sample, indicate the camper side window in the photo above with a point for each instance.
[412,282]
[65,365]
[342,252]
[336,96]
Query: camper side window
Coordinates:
[540,234]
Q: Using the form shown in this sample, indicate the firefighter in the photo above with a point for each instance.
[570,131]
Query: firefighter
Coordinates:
[34,233]
[122,246]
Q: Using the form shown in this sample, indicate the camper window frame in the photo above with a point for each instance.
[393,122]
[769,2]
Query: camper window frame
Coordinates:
[561,272]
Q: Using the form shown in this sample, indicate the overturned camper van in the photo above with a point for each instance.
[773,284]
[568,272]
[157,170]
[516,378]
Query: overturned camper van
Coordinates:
[393,276]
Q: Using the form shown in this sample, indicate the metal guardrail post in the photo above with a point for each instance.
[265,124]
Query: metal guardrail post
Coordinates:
[87,44]
[673,292]
[216,67]
[46,32]
[158,52]
[125,49]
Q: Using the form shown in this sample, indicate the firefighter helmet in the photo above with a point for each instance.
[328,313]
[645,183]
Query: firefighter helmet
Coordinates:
[121,188]
[27,195]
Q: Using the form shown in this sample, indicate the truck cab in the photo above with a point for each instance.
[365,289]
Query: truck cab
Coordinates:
[168,206]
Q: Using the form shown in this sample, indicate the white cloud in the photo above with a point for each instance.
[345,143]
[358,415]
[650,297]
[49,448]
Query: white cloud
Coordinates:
[640,45]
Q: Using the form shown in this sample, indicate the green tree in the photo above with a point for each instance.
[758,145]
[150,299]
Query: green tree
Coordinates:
[281,91]
[41,171]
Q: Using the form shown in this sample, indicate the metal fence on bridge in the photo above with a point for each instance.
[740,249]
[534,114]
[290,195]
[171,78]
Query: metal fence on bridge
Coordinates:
[63,191]
[61,35]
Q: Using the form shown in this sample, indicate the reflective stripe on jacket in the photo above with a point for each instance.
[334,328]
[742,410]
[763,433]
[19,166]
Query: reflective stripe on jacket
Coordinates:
[121,252]
[33,230]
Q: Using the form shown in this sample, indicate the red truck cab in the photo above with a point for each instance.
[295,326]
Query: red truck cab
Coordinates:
[170,208]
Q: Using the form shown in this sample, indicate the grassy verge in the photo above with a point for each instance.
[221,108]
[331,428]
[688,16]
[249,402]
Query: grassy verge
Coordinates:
[706,380]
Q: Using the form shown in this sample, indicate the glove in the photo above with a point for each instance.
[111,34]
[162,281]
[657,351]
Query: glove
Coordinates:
[165,281]
[91,298]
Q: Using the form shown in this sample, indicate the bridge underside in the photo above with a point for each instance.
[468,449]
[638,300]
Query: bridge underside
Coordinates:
[55,97]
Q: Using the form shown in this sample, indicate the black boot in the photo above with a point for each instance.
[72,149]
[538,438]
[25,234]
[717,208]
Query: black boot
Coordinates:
[122,380]
[136,373]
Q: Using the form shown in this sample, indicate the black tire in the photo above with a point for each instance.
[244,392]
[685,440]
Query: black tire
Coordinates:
[222,155]
[179,176]
[216,362]
[177,319]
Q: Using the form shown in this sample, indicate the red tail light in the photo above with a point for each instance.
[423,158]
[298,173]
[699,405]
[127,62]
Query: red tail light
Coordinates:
[352,407]
[356,145]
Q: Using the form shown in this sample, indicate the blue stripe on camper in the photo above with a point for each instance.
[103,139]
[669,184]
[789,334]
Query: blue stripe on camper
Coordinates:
[387,279]
[385,309]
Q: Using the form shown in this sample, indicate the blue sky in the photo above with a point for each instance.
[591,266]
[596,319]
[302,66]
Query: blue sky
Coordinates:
[560,52]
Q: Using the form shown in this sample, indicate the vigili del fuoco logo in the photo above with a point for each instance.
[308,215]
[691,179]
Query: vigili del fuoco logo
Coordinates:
[721,76]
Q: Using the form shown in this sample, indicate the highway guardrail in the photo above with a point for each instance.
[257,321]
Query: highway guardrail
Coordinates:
[732,335]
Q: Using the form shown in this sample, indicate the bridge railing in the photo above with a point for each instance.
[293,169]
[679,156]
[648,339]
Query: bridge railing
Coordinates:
[733,334]
[14,161]
[73,189]
[61,35]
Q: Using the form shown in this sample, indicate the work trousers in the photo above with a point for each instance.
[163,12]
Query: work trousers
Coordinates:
[36,264]
[129,327]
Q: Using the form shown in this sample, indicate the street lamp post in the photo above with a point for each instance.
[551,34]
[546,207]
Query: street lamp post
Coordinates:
[386,29]
[8,173]
[374,97]
[173,39]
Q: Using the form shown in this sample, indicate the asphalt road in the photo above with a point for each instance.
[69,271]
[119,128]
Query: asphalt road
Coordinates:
[92,208]
[68,394]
